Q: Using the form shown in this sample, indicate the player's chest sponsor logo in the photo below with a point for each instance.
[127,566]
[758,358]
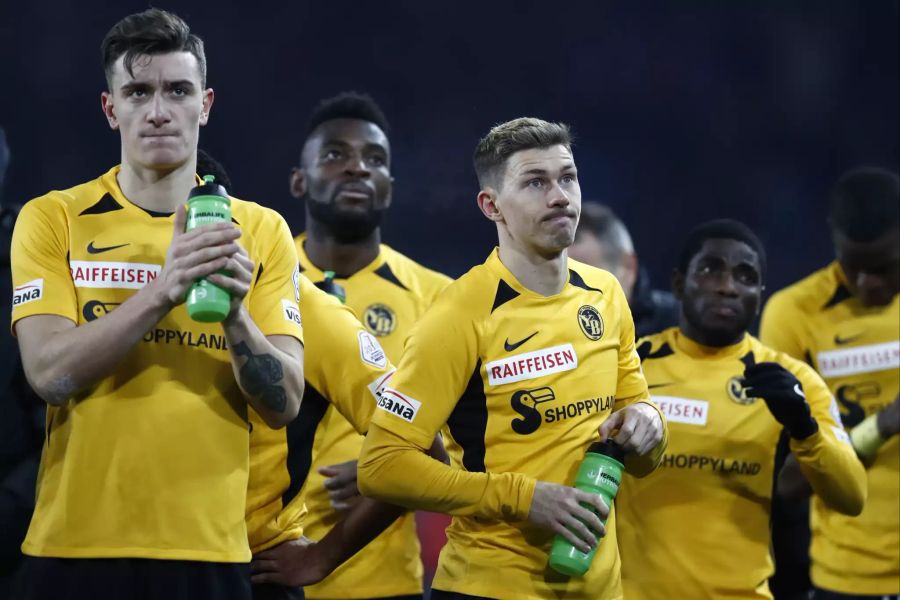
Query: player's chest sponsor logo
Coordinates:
[531,365]
[683,410]
[380,319]
[400,405]
[28,292]
[291,312]
[103,274]
[537,406]
[721,465]
[591,322]
[859,359]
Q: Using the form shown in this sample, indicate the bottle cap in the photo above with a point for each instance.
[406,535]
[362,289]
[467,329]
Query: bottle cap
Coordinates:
[209,187]
[608,448]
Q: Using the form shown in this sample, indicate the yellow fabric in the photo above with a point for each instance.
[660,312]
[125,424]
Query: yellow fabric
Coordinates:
[857,351]
[388,296]
[151,462]
[515,412]
[343,364]
[699,526]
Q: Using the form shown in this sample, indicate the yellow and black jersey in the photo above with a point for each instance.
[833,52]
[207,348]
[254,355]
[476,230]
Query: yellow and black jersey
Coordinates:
[343,366]
[522,382]
[699,527]
[856,350]
[150,462]
[389,295]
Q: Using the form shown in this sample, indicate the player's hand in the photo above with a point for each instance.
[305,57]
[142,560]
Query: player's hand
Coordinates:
[237,282]
[559,509]
[193,255]
[783,395]
[639,426]
[341,485]
[888,419]
[292,563]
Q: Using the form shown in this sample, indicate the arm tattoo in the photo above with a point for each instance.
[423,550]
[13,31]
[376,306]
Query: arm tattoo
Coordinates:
[261,376]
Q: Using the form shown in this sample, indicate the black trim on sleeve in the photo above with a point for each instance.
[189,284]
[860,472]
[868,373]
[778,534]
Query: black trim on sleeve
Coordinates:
[468,422]
[301,433]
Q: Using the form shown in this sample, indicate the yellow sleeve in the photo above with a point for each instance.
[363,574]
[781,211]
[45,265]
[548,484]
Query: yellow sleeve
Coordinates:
[275,296]
[827,458]
[42,281]
[343,360]
[438,361]
[632,388]
[778,327]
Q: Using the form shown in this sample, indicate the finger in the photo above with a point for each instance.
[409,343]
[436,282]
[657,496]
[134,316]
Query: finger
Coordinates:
[610,424]
[654,437]
[626,431]
[263,566]
[267,578]
[270,554]
[239,271]
[180,221]
[340,480]
[203,270]
[329,471]
[236,288]
[586,538]
[245,260]
[640,437]
[594,501]
[348,491]
[570,537]
[215,235]
[189,256]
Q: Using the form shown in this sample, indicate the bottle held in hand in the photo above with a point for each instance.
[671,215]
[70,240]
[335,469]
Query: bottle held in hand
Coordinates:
[600,473]
[208,203]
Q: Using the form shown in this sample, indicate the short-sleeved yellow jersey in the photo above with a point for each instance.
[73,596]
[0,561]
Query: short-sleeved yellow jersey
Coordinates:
[857,352]
[699,527]
[389,295]
[150,462]
[522,382]
[343,367]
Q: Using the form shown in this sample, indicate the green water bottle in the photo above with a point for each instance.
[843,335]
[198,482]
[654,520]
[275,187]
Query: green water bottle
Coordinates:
[208,203]
[600,473]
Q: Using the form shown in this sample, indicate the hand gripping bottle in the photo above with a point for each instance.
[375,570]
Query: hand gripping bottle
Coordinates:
[600,473]
[208,203]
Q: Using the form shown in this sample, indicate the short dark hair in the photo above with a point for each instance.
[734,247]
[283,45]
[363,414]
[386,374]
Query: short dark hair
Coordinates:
[348,105]
[600,221]
[728,229]
[505,139]
[147,33]
[865,203]
[207,165]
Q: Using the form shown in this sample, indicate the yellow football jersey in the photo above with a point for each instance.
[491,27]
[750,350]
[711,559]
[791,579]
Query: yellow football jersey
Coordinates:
[151,462]
[857,351]
[389,295]
[699,527]
[343,366]
[522,382]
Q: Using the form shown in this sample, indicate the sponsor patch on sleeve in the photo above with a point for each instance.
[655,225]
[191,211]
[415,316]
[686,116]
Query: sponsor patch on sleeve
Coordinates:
[377,387]
[295,279]
[370,350]
[841,435]
[28,292]
[399,405]
[291,312]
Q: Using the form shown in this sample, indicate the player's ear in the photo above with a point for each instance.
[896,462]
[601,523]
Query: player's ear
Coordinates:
[298,182]
[487,202]
[678,284]
[208,97]
[109,111]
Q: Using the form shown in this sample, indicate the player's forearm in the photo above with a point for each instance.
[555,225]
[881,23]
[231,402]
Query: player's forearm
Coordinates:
[833,471]
[365,521]
[271,380]
[394,471]
[75,358]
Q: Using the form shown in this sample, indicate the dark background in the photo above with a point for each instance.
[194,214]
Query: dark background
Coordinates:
[683,111]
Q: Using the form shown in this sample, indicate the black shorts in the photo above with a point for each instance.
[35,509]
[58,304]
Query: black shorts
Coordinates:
[820,594]
[275,591]
[131,579]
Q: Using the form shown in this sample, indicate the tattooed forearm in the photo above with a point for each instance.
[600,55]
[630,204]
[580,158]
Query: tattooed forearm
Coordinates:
[261,377]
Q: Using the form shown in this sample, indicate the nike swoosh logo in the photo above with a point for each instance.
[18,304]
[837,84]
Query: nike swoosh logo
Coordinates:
[799,390]
[841,341]
[92,249]
[510,347]
[656,385]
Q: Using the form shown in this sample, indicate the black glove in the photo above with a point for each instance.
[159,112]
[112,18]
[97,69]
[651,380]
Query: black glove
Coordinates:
[783,395]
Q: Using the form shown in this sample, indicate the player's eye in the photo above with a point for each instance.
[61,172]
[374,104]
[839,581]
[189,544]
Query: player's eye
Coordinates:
[179,91]
[536,183]
[136,93]
[333,155]
[568,179]
[377,161]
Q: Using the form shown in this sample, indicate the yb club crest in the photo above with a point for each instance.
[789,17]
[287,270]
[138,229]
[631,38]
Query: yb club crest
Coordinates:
[380,319]
[591,322]
[736,391]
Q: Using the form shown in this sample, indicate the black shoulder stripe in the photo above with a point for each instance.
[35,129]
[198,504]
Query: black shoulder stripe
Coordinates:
[576,280]
[233,220]
[504,294]
[644,351]
[301,432]
[748,359]
[840,294]
[468,422]
[384,271]
[259,273]
[809,359]
[106,204]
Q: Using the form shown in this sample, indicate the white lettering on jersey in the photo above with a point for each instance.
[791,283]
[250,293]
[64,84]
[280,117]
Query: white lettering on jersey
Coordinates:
[291,312]
[862,359]
[683,410]
[399,404]
[531,365]
[101,274]
[28,292]
[370,350]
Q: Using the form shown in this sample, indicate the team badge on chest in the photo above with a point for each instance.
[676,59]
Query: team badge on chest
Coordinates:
[736,391]
[591,322]
[380,319]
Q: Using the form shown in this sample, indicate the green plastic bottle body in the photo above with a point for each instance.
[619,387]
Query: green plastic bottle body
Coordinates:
[598,474]
[207,302]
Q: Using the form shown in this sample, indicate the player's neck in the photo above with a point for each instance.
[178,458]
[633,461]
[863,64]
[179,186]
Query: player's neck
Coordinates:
[698,336]
[344,258]
[157,190]
[542,275]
